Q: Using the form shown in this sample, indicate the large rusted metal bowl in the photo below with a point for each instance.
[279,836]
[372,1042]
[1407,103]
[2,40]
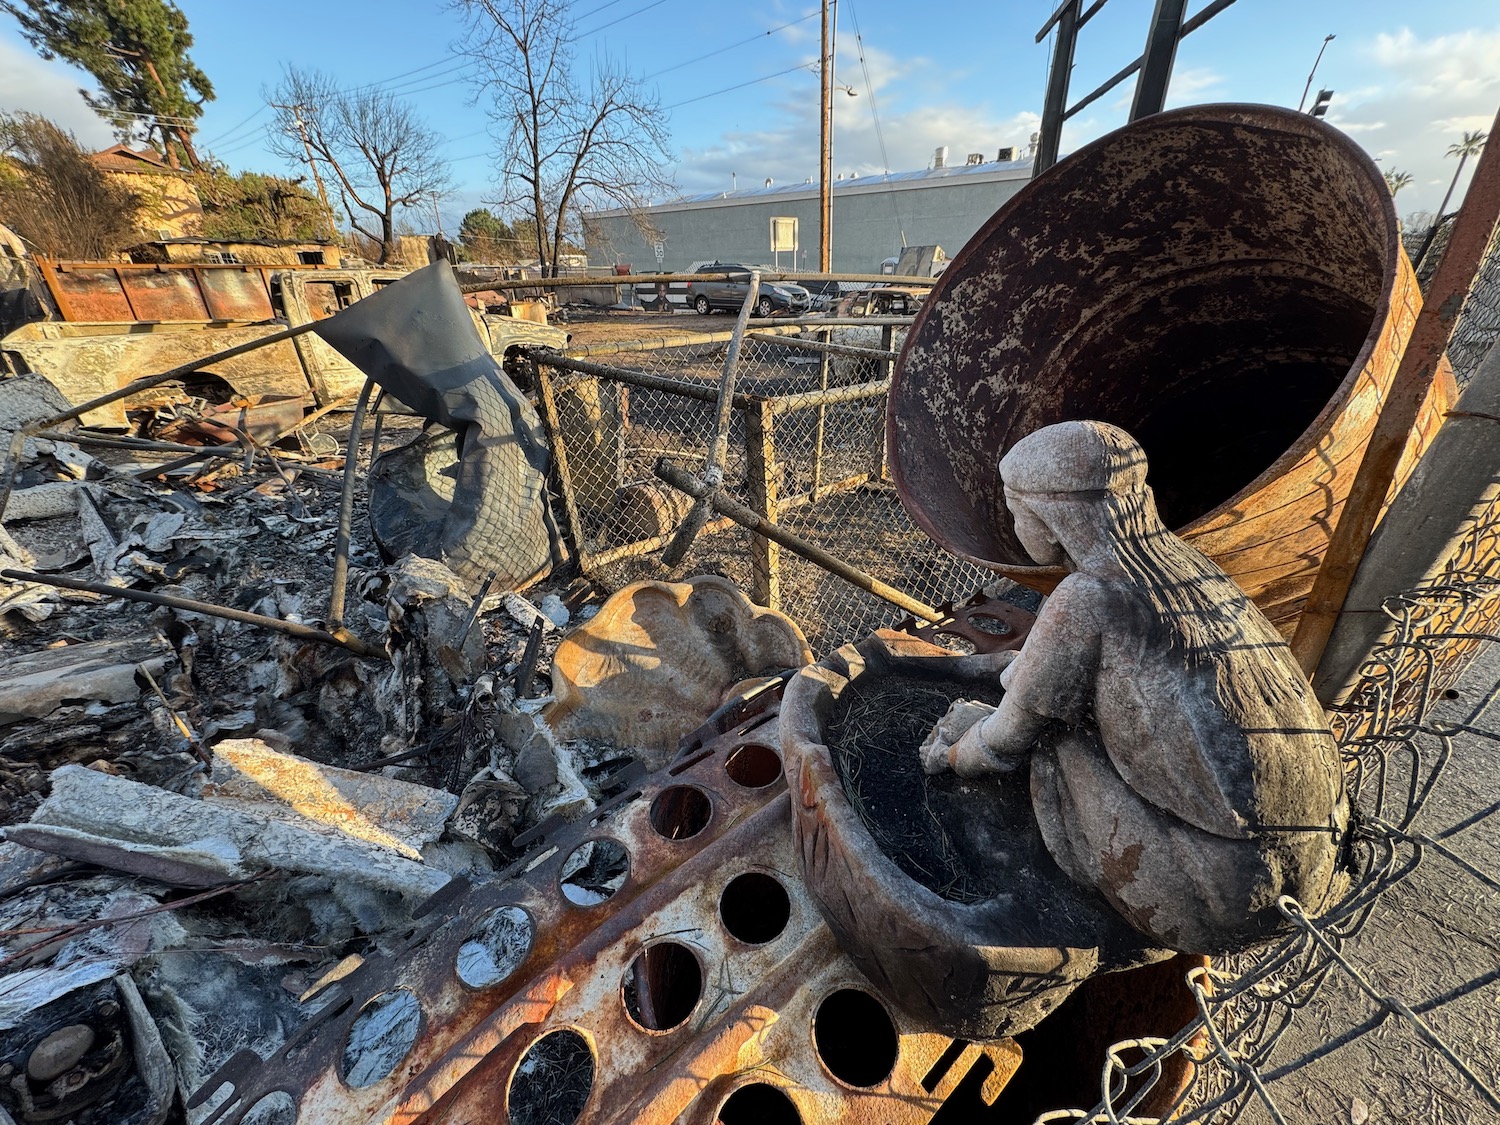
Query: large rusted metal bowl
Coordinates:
[960,968]
[1225,282]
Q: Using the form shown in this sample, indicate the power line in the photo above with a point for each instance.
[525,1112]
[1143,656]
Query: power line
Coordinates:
[418,70]
[742,85]
[621,19]
[600,8]
[227,133]
[885,161]
[758,35]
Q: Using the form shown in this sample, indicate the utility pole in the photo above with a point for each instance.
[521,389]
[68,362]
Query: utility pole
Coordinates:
[295,109]
[825,169]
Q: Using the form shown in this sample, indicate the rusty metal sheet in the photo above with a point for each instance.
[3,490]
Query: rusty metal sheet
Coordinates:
[705,987]
[236,294]
[88,293]
[164,294]
[1226,282]
[124,292]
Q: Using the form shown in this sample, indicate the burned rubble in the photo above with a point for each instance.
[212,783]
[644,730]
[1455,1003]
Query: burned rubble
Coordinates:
[212,814]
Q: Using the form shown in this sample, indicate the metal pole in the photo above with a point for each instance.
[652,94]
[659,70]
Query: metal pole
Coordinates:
[713,471]
[1419,363]
[1056,100]
[291,628]
[340,579]
[1156,61]
[825,150]
[745,517]
[1303,99]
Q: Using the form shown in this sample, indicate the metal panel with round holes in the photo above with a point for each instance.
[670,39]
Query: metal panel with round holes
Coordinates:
[692,992]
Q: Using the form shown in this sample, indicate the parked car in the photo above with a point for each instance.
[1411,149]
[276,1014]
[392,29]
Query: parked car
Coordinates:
[775,296]
[882,300]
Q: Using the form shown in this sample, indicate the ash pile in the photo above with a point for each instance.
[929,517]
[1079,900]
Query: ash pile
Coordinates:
[250,717]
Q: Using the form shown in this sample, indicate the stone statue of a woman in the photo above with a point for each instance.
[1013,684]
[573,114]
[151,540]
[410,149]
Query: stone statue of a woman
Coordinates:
[1179,762]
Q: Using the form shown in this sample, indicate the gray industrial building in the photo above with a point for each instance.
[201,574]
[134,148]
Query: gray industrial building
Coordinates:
[941,206]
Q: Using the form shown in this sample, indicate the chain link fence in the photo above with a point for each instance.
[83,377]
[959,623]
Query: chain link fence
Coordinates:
[1478,325]
[806,450]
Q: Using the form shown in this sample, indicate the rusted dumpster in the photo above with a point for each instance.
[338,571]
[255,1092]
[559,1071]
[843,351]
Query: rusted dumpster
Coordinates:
[1227,283]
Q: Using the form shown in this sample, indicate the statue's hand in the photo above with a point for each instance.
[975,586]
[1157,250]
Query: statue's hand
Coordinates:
[960,723]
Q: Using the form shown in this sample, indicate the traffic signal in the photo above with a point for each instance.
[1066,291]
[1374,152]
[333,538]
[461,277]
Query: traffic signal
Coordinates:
[1320,107]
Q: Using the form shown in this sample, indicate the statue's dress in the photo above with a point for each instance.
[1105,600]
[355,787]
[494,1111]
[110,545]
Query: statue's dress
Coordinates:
[1191,790]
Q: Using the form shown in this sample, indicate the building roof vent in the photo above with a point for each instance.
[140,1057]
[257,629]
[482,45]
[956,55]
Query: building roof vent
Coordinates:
[1006,153]
[940,157]
[974,158]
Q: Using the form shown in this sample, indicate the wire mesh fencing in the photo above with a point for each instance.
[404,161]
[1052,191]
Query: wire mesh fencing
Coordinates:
[805,450]
[1477,328]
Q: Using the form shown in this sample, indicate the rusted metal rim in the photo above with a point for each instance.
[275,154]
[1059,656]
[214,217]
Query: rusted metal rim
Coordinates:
[1286,209]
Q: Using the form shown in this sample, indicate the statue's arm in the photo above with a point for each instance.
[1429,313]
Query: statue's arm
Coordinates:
[996,743]
[1050,680]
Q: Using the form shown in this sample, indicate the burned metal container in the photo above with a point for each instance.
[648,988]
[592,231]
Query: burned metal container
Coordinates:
[1225,282]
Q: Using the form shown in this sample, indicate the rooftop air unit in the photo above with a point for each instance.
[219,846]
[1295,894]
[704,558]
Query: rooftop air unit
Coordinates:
[1007,153]
[974,158]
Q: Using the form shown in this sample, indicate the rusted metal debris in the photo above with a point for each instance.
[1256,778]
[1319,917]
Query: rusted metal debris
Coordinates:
[661,959]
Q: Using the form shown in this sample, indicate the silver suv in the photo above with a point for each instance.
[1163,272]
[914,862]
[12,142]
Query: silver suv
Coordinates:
[775,296]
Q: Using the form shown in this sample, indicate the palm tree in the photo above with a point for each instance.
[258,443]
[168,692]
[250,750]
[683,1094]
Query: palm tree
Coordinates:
[1396,180]
[1471,145]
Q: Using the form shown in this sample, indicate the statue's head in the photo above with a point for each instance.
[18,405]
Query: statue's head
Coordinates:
[1072,457]
[1059,482]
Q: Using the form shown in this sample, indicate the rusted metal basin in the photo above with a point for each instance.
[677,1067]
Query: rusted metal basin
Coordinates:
[975,970]
[1226,282]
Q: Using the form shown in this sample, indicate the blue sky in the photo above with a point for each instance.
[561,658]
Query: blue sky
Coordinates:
[1408,77]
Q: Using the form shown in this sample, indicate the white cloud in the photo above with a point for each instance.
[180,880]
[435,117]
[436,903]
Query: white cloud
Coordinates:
[1419,97]
[50,89]
[1190,85]
[917,116]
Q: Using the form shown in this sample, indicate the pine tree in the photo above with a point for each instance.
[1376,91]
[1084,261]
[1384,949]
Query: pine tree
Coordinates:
[137,52]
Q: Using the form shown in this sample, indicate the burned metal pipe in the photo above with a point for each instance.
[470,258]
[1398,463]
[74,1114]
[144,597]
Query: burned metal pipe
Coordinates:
[718,449]
[343,638]
[340,581]
[745,517]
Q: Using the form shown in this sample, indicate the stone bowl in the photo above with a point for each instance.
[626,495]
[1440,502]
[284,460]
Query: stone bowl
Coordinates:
[971,970]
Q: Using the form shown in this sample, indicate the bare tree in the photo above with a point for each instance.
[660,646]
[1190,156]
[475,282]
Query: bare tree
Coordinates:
[566,141]
[382,154]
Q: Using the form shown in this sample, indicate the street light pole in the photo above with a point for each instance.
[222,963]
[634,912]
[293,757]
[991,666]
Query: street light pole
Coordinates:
[825,168]
[1302,101]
